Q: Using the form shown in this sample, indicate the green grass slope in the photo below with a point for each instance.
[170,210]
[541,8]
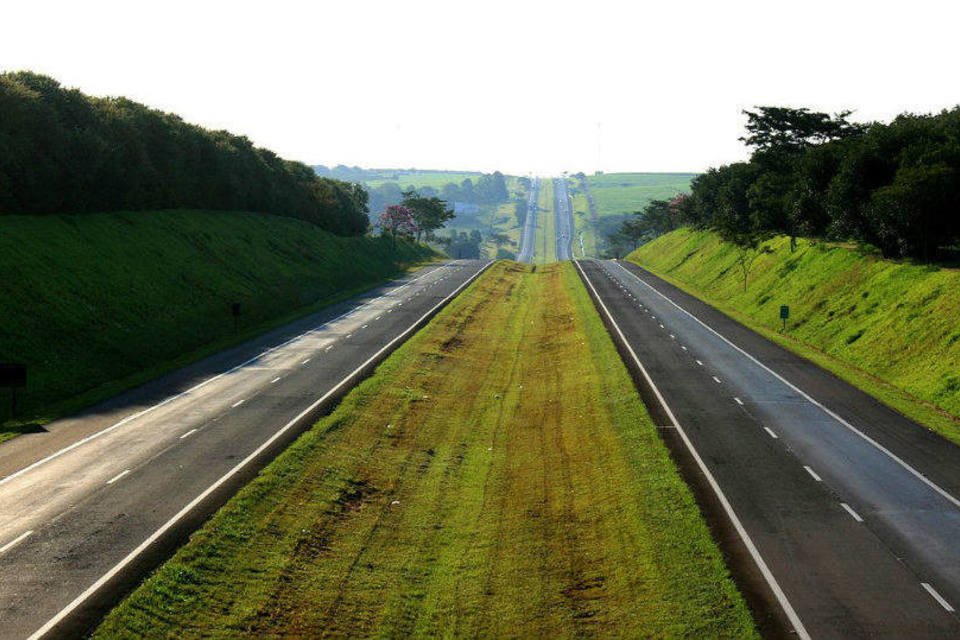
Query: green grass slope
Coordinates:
[888,327]
[97,303]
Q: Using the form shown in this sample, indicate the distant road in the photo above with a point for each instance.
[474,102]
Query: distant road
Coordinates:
[529,233]
[87,507]
[564,217]
[844,514]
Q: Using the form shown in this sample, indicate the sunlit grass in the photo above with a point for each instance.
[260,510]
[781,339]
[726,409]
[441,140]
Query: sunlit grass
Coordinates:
[888,327]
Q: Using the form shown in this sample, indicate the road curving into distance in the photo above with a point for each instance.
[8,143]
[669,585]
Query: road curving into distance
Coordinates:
[528,234]
[99,499]
[843,516]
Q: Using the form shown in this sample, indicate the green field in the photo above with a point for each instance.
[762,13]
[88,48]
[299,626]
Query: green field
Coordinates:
[620,193]
[471,487]
[435,179]
[888,327]
[97,303]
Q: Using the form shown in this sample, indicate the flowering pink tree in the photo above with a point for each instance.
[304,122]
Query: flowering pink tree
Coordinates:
[397,219]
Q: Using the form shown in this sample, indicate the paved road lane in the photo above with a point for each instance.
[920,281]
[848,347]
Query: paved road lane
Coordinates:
[529,234]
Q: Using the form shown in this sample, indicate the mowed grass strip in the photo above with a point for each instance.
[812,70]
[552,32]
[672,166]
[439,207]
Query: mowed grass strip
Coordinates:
[498,476]
[546,247]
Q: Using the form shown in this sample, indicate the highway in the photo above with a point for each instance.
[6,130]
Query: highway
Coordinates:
[840,515]
[99,499]
[529,234]
[564,214]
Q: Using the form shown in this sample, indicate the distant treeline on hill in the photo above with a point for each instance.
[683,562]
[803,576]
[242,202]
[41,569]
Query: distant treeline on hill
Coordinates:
[895,186]
[64,152]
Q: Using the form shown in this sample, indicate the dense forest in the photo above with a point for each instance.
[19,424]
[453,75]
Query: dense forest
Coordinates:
[64,152]
[893,186]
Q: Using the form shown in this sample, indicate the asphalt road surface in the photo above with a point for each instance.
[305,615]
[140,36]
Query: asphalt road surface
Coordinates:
[89,506]
[842,515]
[564,214]
[529,234]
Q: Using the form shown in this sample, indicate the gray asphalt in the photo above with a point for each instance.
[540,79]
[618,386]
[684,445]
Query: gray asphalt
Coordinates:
[849,506]
[563,229]
[529,235]
[99,499]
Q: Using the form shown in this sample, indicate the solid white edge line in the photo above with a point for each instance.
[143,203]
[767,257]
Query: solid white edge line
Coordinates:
[807,396]
[721,497]
[10,545]
[76,602]
[933,592]
[277,379]
[770,431]
[738,400]
[118,476]
[134,416]
[188,434]
[237,404]
[853,514]
[813,474]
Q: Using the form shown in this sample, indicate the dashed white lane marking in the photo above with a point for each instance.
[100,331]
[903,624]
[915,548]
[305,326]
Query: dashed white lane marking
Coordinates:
[118,476]
[364,327]
[683,347]
[926,585]
[188,434]
[20,538]
[275,380]
[328,348]
[738,400]
[673,337]
[772,434]
[716,379]
[699,363]
[853,514]
[813,474]
[237,403]
[305,361]
[661,326]
[348,335]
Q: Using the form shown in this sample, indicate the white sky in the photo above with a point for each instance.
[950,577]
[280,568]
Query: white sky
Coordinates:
[510,85]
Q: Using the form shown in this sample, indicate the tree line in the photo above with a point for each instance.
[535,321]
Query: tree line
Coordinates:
[65,152]
[487,189]
[894,186]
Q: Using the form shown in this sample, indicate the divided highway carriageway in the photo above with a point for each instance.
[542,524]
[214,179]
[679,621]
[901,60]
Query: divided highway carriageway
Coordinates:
[841,515]
[98,499]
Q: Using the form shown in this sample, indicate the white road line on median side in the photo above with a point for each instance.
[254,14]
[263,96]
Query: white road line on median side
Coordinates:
[237,404]
[305,361]
[10,545]
[138,414]
[721,497]
[813,474]
[106,577]
[118,476]
[926,585]
[770,431]
[328,348]
[716,379]
[853,514]
[275,380]
[738,400]
[188,434]
[699,363]
[808,397]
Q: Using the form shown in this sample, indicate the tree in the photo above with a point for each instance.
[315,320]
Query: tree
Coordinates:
[429,213]
[789,128]
[397,220]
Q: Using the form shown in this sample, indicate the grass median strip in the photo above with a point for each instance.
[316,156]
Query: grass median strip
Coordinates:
[497,476]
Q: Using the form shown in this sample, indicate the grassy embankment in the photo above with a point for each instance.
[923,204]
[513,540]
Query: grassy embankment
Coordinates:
[97,303]
[581,221]
[887,327]
[545,247]
[471,487]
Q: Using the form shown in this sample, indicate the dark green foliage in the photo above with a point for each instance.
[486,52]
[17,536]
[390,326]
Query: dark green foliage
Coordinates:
[893,186]
[64,152]
[430,213]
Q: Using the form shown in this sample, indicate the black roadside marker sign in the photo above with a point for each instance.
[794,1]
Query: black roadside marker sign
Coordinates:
[784,314]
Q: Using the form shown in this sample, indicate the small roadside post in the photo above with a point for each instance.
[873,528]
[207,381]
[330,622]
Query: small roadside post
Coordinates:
[13,375]
[235,310]
[784,314]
